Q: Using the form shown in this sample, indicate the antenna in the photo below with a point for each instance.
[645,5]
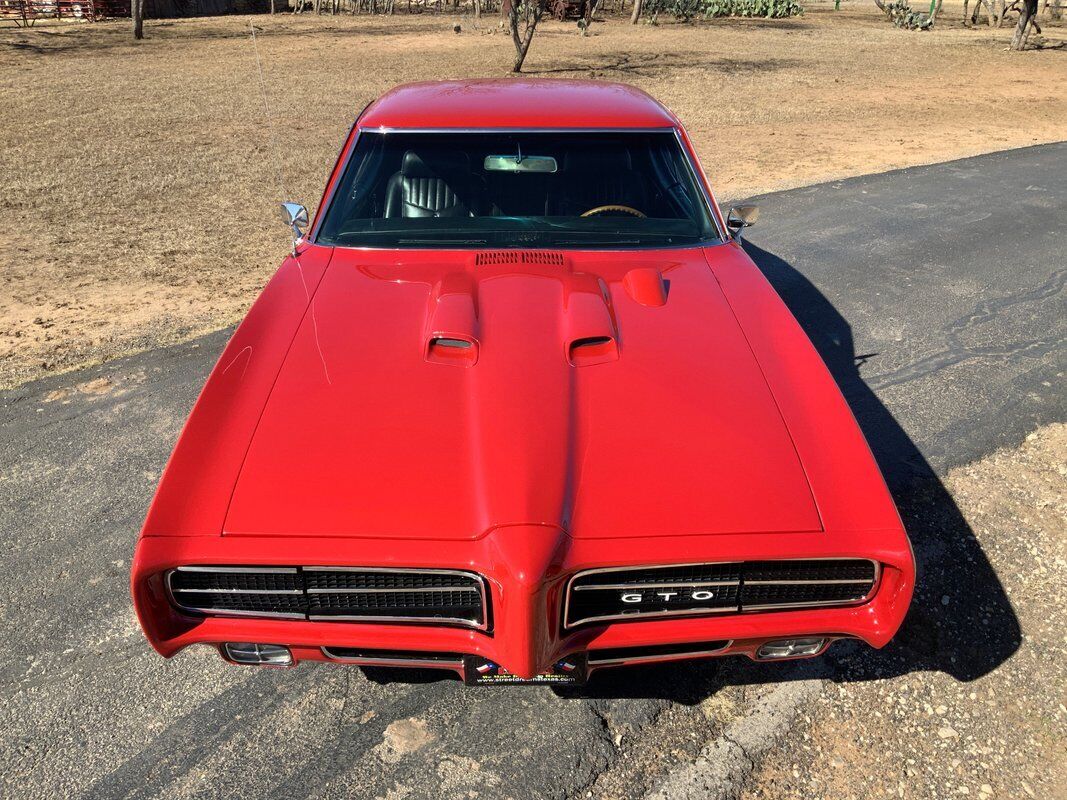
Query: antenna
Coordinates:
[276,156]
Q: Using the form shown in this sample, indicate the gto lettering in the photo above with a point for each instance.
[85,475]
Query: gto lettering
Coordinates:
[702,594]
[666,595]
[631,598]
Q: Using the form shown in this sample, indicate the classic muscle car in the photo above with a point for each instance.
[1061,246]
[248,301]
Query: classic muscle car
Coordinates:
[518,405]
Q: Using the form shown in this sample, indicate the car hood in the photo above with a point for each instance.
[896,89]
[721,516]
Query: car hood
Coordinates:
[440,394]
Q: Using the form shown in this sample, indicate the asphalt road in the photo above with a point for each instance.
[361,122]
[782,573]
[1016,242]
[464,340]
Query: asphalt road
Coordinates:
[936,296]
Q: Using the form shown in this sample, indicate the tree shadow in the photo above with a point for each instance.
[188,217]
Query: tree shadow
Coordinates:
[960,622]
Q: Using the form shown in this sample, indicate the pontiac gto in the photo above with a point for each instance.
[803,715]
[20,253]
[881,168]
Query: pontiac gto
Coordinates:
[518,405]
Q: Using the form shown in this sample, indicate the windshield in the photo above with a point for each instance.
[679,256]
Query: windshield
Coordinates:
[513,189]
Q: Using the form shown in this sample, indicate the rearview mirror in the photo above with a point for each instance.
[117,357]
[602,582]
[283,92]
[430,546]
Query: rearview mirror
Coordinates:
[741,217]
[519,163]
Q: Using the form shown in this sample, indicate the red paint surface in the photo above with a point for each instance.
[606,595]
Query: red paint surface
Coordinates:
[703,428]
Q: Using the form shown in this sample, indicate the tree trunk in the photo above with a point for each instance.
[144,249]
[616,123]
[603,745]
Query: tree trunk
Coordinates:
[881,6]
[636,15]
[137,13]
[478,9]
[1018,41]
[522,42]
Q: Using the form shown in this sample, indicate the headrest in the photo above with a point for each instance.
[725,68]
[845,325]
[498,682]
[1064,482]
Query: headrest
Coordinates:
[432,165]
[597,160]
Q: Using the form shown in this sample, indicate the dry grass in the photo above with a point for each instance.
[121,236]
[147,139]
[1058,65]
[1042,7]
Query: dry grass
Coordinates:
[140,192]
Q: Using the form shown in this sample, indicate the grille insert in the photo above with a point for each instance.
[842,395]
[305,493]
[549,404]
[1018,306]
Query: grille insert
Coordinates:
[701,589]
[444,597]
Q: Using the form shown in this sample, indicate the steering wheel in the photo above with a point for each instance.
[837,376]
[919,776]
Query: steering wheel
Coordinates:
[607,209]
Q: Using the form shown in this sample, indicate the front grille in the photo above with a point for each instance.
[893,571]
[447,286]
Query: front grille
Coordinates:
[445,597]
[699,589]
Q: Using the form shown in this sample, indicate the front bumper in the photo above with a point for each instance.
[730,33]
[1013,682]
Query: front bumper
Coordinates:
[527,568]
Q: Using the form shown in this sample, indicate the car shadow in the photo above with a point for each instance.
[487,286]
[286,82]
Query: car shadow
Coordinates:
[960,622]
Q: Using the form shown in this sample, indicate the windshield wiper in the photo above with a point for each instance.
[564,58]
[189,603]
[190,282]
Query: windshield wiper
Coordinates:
[440,241]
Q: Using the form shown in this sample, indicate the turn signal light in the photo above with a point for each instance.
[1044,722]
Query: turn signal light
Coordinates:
[274,655]
[790,648]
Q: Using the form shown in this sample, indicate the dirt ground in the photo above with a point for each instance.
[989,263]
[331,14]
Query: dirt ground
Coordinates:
[931,736]
[141,192]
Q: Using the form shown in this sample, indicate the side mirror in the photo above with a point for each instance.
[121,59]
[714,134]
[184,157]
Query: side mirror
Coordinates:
[295,216]
[741,217]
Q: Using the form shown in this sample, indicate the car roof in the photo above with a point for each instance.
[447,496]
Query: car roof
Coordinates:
[516,103]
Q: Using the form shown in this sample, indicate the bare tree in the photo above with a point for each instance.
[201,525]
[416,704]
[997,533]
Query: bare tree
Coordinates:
[137,13]
[1027,17]
[522,19]
[634,17]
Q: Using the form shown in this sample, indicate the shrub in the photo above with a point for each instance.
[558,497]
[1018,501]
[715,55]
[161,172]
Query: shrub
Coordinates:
[690,9]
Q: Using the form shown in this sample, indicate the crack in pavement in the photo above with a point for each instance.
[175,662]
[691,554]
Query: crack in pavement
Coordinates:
[986,311]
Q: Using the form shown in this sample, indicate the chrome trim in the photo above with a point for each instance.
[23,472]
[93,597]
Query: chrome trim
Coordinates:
[243,570]
[356,590]
[804,583]
[599,587]
[875,583]
[201,612]
[826,646]
[467,623]
[567,592]
[480,587]
[519,129]
[393,662]
[637,615]
[647,659]
[416,570]
[239,591]
[699,177]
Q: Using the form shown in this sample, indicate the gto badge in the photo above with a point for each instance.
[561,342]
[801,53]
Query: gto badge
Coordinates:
[637,597]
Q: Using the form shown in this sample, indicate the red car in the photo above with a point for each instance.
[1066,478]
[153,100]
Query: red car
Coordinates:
[518,405]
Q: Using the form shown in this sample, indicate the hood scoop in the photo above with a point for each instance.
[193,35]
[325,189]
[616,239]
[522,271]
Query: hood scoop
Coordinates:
[646,286]
[451,333]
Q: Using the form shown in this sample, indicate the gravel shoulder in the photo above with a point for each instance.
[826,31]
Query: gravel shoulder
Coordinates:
[927,734]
